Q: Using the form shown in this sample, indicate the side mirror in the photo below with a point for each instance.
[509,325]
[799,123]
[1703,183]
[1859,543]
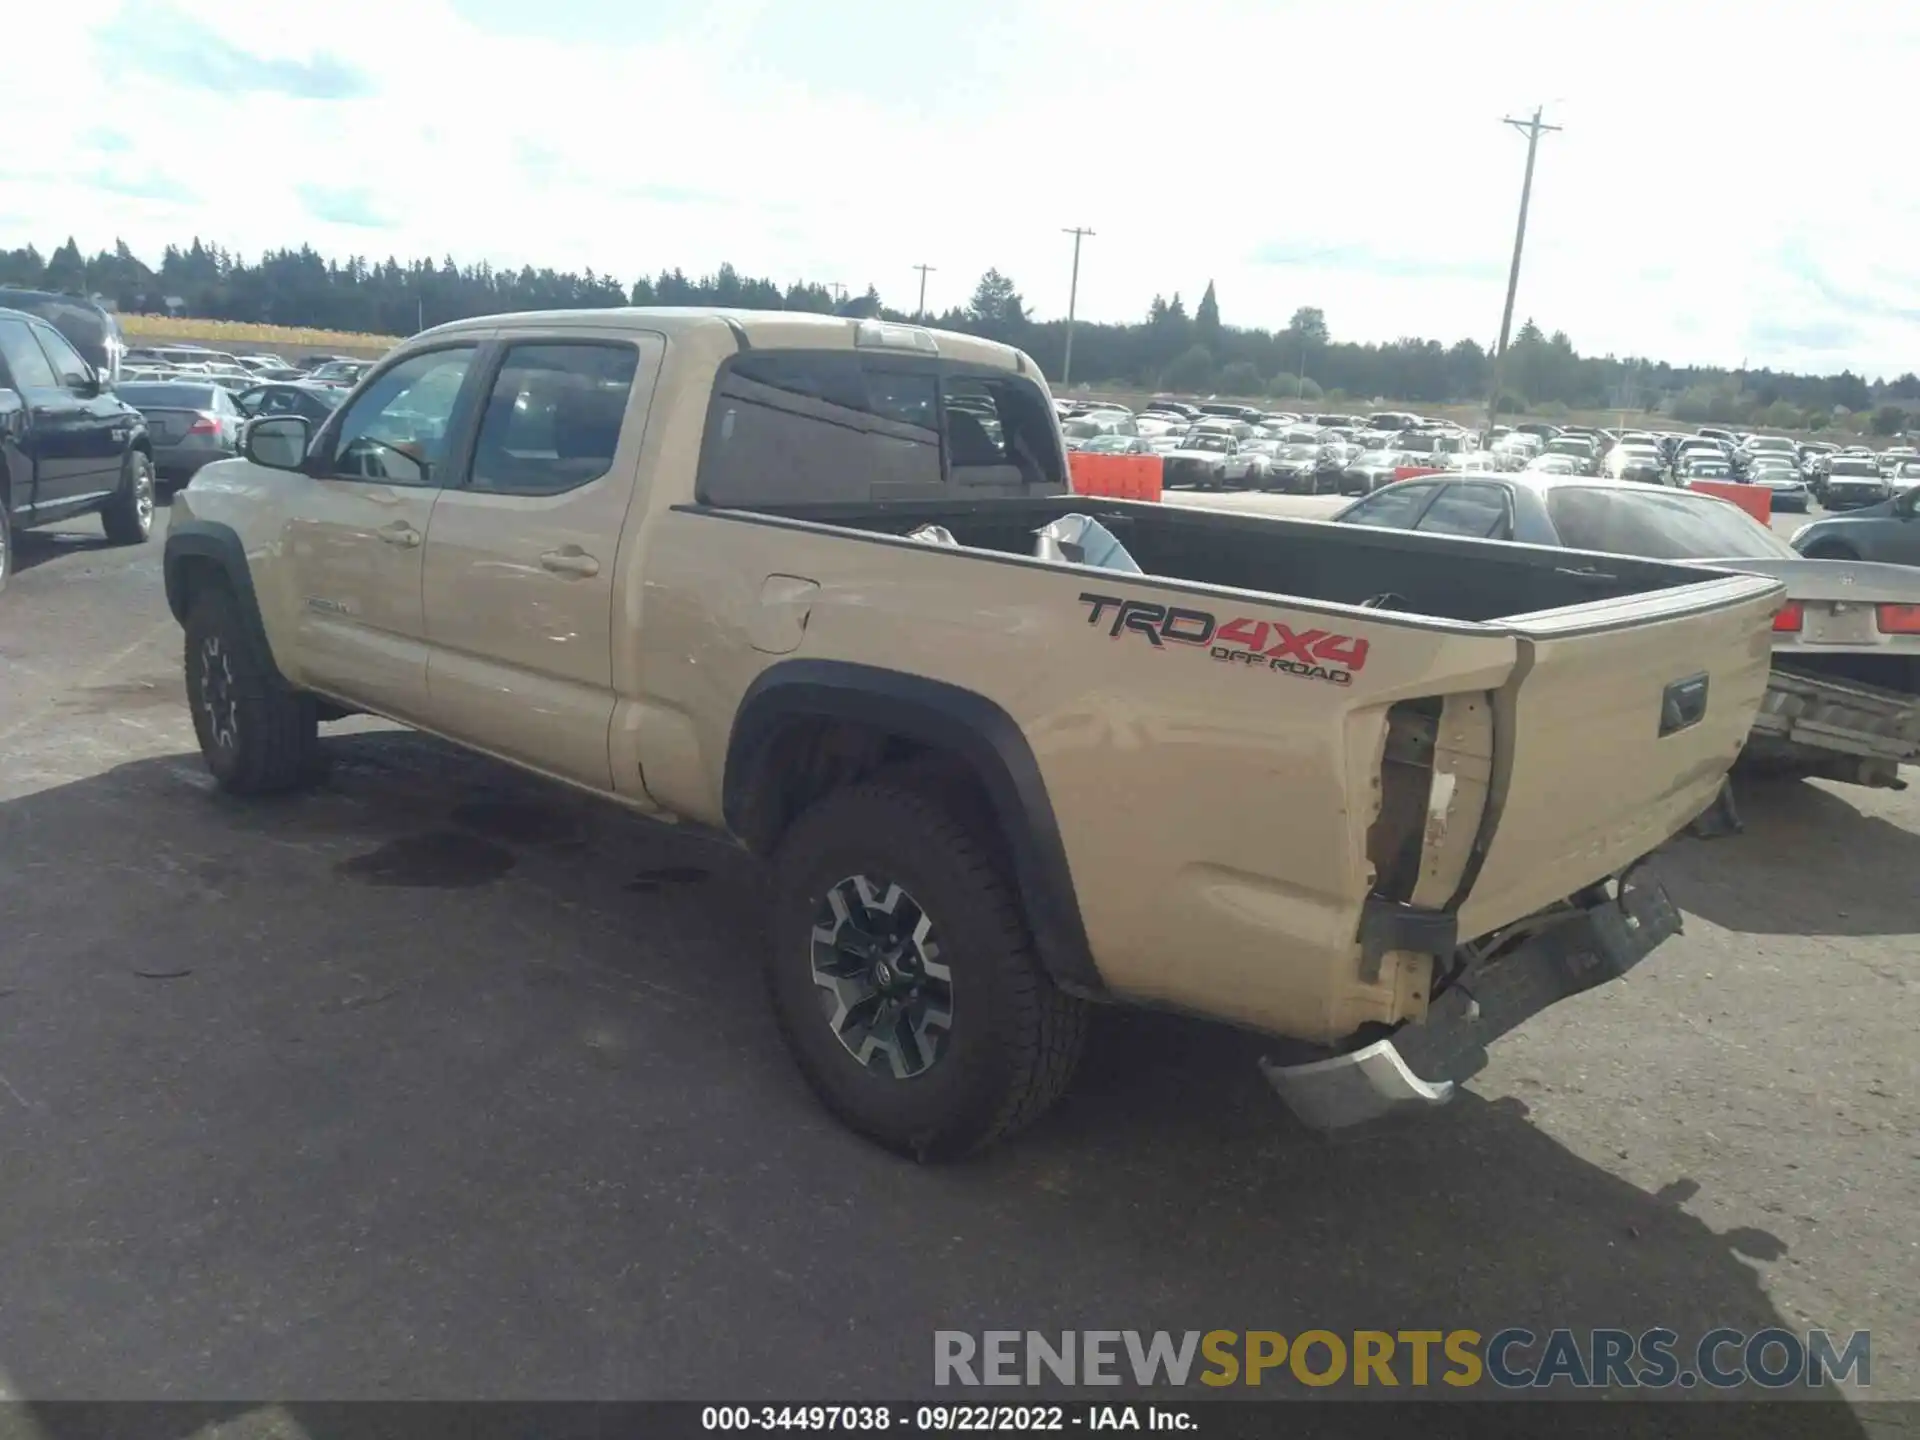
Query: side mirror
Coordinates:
[278,442]
[86,384]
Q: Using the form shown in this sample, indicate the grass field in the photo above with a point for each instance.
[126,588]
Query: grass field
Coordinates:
[231,334]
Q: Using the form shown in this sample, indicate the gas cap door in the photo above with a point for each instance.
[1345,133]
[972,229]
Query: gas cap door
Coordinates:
[780,619]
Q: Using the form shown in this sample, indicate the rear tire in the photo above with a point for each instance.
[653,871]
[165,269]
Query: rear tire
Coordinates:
[128,516]
[994,1042]
[258,735]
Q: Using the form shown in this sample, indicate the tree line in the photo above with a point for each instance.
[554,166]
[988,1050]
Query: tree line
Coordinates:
[1170,348]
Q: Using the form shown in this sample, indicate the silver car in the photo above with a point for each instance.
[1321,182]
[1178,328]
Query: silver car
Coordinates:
[190,421]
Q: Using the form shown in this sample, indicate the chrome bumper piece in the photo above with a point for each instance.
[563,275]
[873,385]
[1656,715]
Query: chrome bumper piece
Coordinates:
[1420,1066]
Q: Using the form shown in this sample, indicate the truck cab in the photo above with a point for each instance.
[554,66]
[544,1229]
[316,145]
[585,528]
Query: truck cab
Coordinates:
[68,445]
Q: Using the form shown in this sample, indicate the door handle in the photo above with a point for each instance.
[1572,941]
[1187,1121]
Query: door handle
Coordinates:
[570,560]
[399,533]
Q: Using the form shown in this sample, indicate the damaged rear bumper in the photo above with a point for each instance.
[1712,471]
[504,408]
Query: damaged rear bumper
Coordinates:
[1418,1068]
[1837,729]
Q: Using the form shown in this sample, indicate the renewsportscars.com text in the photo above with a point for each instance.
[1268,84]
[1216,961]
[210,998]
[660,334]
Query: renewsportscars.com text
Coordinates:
[1512,1359]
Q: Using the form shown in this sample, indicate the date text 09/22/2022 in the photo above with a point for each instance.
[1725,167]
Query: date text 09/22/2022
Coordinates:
[946,1419]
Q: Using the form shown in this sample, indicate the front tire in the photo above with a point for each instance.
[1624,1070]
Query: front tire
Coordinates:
[257,734]
[128,516]
[904,980]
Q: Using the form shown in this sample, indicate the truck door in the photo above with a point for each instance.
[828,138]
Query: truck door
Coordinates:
[97,425]
[521,555]
[49,417]
[355,544]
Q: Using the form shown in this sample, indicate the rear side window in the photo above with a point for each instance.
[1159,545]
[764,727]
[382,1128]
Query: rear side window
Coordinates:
[1394,508]
[553,418]
[800,427]
[820,427]
[1477,510]
[31,370]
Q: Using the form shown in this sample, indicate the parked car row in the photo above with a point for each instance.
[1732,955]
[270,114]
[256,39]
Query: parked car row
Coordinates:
[1357,454]
[1218,445]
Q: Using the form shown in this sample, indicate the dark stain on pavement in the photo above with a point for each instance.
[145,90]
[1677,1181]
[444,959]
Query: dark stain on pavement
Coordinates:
[438,860]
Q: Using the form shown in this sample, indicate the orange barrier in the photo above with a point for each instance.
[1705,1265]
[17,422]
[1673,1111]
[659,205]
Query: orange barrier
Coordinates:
[1407,472]
[1115,477]
[1756,500]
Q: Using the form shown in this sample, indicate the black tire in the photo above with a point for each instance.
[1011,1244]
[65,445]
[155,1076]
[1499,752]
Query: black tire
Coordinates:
[1013,1040]
[1831,550]
[128,516]
[258,735]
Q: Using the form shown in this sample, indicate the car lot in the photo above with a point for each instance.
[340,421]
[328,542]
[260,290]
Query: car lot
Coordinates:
[443,1082]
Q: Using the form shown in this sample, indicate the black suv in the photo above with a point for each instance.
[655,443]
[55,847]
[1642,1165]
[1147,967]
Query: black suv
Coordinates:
[68,445]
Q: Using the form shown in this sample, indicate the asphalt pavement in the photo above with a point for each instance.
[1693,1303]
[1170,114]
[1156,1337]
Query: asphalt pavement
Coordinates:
[443,1082]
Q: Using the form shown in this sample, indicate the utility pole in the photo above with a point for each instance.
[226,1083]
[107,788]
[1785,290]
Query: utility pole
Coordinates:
[839,292]
[921,312]
[1073,295]
[1533,129]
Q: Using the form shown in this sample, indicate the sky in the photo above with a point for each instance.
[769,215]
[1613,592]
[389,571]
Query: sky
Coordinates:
[1732,184]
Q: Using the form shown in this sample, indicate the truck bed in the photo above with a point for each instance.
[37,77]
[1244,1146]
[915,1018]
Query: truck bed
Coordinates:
[1308,559]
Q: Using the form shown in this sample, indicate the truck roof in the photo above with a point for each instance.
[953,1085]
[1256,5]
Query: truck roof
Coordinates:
[763,330]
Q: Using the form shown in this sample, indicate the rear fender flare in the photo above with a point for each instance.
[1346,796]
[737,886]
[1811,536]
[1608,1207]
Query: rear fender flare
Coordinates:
[952,720]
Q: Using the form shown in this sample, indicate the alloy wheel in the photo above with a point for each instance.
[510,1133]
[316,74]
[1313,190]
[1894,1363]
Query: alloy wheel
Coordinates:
[884,990]
[217,698]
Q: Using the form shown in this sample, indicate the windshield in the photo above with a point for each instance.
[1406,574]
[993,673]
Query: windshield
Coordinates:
[1301,452]
[1109,444]
[1853,467]
[1658,526]
[1081,428]
[1377,457]
[1206,442]
[167,397]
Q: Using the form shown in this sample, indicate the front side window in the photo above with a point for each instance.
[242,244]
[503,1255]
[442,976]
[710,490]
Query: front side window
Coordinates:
[553,419]
[397,430]
[65,360]
[28,363]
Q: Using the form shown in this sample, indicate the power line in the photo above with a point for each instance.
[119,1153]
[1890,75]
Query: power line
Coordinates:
[921,311]
[1073,295]
[1533,129]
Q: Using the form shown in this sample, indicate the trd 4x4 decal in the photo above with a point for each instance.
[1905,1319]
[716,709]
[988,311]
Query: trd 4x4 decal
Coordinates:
[1266,644]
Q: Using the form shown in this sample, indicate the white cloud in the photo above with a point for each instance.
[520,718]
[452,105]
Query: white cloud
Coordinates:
[1720,192]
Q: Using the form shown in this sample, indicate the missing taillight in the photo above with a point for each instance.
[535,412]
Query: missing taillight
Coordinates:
[1791,616]
[1900,619]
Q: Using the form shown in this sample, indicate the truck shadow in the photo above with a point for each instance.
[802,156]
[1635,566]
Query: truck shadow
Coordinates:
[505,1117]
[1810,861]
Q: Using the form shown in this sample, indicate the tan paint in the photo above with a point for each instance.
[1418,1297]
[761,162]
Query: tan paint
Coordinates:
[1215,819]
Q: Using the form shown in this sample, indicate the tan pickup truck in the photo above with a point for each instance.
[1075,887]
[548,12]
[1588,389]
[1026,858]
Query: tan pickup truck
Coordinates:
[682,558]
